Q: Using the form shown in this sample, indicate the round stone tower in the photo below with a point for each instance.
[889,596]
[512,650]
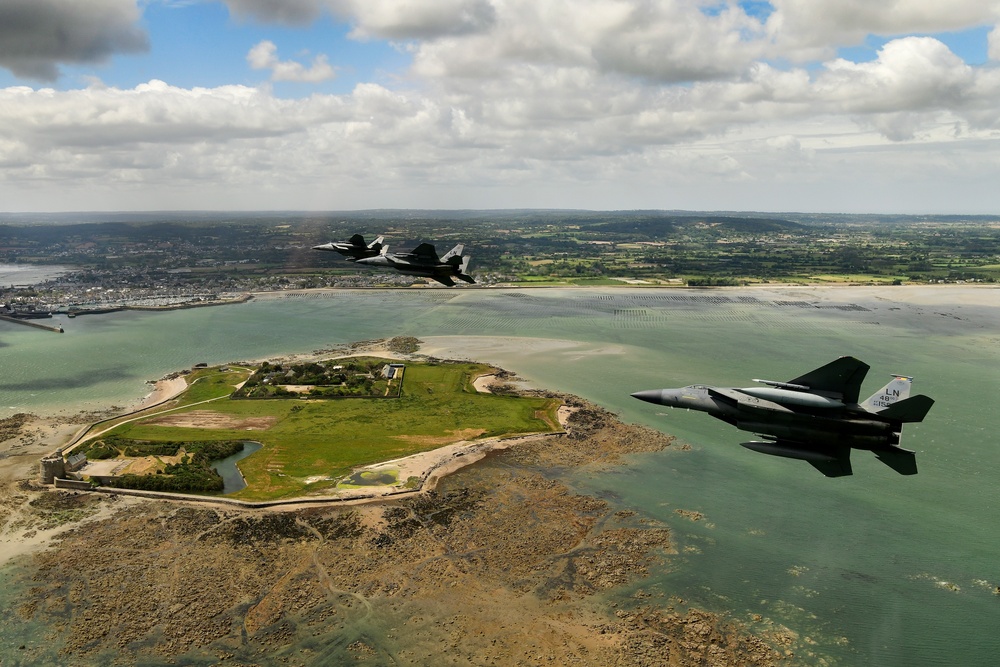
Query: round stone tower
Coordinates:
[53,466]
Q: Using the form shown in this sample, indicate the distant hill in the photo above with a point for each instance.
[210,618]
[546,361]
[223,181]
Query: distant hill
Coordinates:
[661,227]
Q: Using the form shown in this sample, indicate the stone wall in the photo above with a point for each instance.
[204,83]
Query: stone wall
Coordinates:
[73,484]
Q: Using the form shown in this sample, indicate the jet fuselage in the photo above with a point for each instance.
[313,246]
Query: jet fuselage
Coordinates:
[792,415]
[816,417]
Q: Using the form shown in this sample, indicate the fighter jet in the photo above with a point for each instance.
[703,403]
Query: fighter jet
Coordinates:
[354,248]
[815,417]
[423,261]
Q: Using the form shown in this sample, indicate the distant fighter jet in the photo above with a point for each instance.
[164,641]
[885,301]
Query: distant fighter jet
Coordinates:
[816,417]
[355,248]
[423,261]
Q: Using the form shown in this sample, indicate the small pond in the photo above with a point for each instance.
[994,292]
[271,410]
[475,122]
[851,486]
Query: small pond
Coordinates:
[231,475]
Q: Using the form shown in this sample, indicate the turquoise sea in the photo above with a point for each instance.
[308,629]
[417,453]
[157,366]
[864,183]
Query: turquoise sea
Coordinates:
[874,569]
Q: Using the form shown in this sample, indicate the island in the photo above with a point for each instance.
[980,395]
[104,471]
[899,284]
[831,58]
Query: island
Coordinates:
[325,429]
[496,563]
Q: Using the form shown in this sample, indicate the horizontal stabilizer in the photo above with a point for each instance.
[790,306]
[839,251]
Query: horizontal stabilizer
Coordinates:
[836,468]
[909,410]
[901,460]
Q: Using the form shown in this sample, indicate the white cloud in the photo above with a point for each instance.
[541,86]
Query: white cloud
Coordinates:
[993,44]
[913,73]
[36,36]
[264,55]
[420,19]
[592,103]
[287,12]
[386,19]
[807,29]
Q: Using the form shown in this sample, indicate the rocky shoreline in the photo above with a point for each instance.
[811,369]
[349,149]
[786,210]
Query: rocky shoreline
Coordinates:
[502,564]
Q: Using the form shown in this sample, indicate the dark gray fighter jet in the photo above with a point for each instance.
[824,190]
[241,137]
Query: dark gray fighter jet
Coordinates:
[815,417]
[423,261]
[354,248]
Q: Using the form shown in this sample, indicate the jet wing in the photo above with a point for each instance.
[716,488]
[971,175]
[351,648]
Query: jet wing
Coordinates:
[425,254]
[444,280]
[839,379]
[832,461]
[723,394]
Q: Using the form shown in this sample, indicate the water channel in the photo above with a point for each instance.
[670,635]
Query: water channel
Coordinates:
[230,472]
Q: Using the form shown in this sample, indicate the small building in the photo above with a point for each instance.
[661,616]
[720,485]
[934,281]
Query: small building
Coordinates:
[75,461]
[389,371]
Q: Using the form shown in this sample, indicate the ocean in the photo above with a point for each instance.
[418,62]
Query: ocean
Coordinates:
[873,569]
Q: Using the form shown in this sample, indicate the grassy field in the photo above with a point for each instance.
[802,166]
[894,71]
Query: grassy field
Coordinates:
[310,439]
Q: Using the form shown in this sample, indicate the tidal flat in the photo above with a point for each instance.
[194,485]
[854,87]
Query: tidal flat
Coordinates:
[871,569]
[499,565]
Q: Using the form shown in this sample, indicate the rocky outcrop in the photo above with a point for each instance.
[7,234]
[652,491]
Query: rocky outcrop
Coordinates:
[501,565]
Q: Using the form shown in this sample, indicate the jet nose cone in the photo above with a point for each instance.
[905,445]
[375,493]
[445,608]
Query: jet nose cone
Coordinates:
[649,395]
[325,246]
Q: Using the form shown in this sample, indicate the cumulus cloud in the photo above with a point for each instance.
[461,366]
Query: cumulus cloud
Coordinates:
[993,44]
[36,36]
[912,73]
[287,12]
[385,19]
[264,55]
[420,19]
[805,29]
[563,102]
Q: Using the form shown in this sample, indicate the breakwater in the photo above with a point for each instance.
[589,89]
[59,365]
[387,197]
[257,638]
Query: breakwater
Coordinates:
[31,323]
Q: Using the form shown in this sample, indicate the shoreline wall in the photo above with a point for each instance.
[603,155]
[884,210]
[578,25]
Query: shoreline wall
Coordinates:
[31,323]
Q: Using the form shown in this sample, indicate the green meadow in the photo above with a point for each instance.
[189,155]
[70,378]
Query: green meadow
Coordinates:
[309,444]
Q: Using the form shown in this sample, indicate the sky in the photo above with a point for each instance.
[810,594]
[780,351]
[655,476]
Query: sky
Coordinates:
[838,106]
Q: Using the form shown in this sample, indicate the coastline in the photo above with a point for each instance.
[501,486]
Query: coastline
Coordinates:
[470,571]
[940,306]
[48,434]
[42,434]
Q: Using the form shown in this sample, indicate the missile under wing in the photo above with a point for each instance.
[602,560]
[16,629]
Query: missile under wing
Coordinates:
[423,261]
[815,417]
[354,248]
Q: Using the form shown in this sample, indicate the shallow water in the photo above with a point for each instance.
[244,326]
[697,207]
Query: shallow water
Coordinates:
[875,569]
[228,470]
[29,274]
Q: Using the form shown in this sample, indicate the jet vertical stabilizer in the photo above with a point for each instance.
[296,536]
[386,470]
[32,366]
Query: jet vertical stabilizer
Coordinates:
[840,379]
[897,390]
[463,271]
[453,256]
